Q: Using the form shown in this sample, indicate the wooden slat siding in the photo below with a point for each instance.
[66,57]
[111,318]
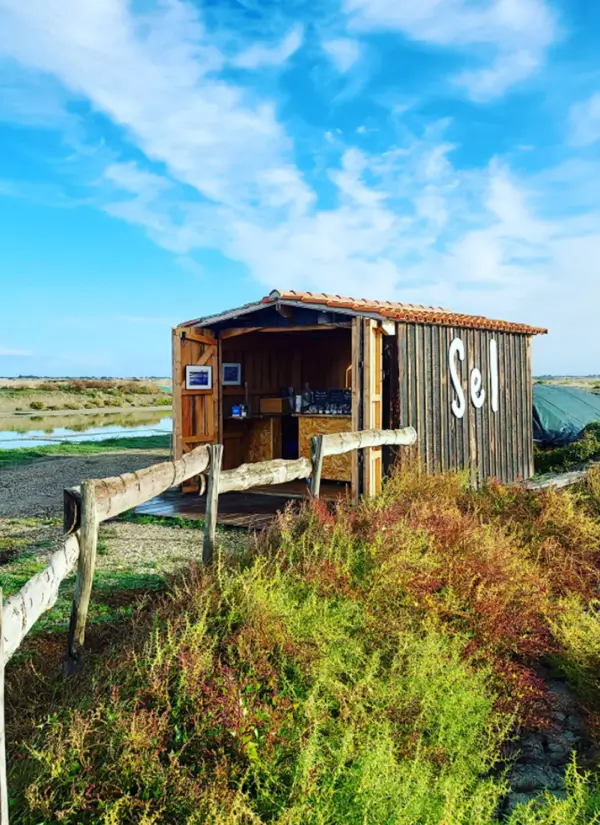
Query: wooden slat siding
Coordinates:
[438,420]
[503,404]
[417,359]
[524,375]
[425,388]
[513,409]
[517,369]
[428,392]
[486,413]
[508,407]
[531,468]
[444,398]
[411,418]
[472,457]
[498,445]
[528,412]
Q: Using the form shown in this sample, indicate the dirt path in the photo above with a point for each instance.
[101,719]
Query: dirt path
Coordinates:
[36,488]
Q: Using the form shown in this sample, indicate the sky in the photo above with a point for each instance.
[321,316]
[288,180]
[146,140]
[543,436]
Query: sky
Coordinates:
[162,160]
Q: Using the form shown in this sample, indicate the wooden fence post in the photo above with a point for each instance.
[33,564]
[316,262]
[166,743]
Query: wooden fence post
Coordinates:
[212,502]
[316,456]
[88,542]
[3,779]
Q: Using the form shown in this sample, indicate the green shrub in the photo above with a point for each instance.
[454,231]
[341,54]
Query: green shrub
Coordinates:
[360,665]
[563,459]
[36,405]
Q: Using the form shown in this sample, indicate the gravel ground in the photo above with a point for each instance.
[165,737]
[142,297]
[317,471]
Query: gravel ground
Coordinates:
[31,501]
[36,488]
[145,548]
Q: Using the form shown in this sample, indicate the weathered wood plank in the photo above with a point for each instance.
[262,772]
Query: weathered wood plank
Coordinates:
[37,596]
[278,471]
[317,464]
[117,494]
[212,502]
[88,543]
[3,777]
[339,443]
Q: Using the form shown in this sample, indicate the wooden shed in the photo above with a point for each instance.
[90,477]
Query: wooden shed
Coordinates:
[264,378]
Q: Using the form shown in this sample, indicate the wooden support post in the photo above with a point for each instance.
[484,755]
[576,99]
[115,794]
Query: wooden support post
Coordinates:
[212,502]
[316,455]
[85,575]
[3,779]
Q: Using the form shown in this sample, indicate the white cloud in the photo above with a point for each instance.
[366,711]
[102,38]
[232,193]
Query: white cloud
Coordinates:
[155,77]
[343,52]
[7,352]
[518,32]
[585,121]
[259,56]
[130,177]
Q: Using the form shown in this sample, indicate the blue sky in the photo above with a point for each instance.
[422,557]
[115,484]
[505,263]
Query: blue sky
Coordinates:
[165,159]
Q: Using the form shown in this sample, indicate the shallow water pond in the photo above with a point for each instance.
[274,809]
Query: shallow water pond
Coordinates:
[36,431]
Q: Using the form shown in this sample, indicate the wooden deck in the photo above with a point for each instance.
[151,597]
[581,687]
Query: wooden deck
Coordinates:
[252,510]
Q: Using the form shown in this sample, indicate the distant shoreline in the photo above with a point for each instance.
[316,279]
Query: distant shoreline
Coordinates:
[94,411]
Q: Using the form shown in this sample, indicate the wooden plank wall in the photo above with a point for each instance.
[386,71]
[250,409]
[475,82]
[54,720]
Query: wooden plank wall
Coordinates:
[490,445]
[196,413]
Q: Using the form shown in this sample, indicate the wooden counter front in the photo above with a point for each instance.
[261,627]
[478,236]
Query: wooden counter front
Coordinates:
[249,440]
[335,467]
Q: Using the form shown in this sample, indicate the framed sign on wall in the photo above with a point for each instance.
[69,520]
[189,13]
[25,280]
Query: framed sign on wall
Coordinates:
[198,378]
[232,375]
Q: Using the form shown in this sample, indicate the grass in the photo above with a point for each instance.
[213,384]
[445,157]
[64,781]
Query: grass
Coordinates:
[115,591]
[21,455]
[365,666]
[572,456]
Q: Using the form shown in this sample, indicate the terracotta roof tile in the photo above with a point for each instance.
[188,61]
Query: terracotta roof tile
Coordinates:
[414,313]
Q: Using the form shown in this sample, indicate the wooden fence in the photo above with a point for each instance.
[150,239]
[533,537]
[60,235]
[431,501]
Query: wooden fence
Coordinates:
[100,499]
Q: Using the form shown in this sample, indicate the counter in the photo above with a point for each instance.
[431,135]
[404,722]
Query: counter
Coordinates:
[335,467]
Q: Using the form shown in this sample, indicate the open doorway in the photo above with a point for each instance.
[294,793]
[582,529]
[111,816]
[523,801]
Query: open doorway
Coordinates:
[280,388]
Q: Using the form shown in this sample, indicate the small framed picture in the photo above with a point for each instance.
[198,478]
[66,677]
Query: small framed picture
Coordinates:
[232,375]
[198,378]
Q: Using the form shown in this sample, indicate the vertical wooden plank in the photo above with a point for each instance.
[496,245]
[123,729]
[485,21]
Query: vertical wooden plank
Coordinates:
[426,396]
[88,542]
[471,414]
[177,378]
[523,436]
[417,359]
[438,424]
[3,777]
[484,413]
[212,502]
[514,410]
[444,399]
[316,456]
[356,401]
[530,448]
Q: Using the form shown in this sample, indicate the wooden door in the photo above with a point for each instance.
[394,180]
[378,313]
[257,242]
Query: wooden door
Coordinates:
[196,412]
[372,403]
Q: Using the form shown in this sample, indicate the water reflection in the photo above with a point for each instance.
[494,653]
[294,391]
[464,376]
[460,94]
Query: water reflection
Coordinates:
[35,431]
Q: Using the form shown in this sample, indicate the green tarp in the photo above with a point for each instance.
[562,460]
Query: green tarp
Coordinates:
[560,413]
